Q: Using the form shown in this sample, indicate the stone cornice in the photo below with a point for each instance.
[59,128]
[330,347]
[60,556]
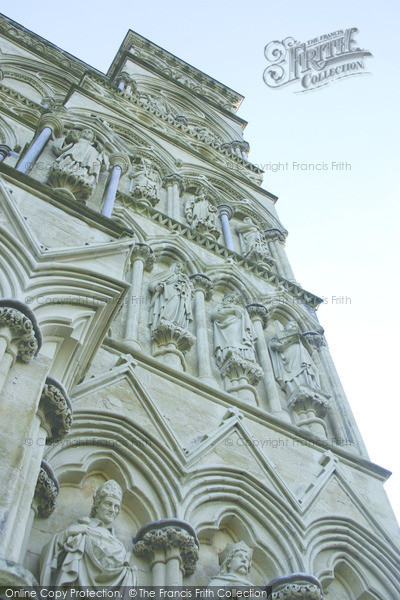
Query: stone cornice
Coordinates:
[140,49]
[40,46]
[178,123]
[63,202]
[255,413]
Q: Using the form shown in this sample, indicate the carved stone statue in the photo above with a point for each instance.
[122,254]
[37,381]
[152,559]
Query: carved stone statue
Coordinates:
[145,181]
[80,159]
[292,363]
[252,240]
[235,562]
[202,215]
[233,330]
[87,553]
[172,293]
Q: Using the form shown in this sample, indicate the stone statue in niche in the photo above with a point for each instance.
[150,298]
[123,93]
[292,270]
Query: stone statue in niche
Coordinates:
[79,161]
[145,181]
[233,330]
[202,215]
[235,565]
[87,553]
[172,293]
[291,360]
[252,241]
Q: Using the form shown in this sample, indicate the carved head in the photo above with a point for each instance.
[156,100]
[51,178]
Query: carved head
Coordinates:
[107,502]
[248,220]
[87,134]
[236,558]
[291,327]
[177,267]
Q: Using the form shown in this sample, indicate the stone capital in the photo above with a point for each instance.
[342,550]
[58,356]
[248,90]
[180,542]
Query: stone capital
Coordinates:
[121,160]
[316,340]
[143,252]
[168,333]
[46,491]
[169,534]
[299,586]
[258,312]
[225,209]
[272,235]
[237,368]
[4,151]
[174,178]
[126,78]
[49,119]
[55,410]
[203,283]
[22,324]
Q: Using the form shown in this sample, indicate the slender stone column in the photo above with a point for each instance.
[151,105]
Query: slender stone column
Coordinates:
[225,214]
[260,317]
[4,152]
[120,164]
[142,258]
[51,423]
[277,242]
[172,546]
[295,587]
[175,186]
[20,336]
[48,125]
[203,287]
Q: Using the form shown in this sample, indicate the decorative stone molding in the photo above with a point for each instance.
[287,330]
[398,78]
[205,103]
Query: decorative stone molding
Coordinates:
[143,252]
[121,160]
[172,339]
[271,235]
[236,368]
[316,340]
[258,311]
[167,535]
[21,321]
[46,491]
[53,121]
[299,586]
[56,410]
[5,151]
[294,289]
[311,407]
[225,209]
[174,178]
[238,148]
[203,283]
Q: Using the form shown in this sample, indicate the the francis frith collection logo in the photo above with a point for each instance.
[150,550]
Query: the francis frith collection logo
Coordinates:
[315,63]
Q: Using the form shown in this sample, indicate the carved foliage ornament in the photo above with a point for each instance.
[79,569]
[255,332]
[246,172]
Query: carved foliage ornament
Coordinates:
[46,491]
[23,332]
[56,408]
[170,537]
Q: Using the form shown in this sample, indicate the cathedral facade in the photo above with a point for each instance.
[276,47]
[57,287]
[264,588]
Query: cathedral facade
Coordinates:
[159,363]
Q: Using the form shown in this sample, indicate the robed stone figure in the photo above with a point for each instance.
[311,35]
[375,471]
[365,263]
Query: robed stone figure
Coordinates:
[233,330]
[293,365]
[171,301]
[88,553]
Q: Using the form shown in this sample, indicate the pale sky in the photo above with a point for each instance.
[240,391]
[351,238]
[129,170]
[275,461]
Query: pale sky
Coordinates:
[343,225]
